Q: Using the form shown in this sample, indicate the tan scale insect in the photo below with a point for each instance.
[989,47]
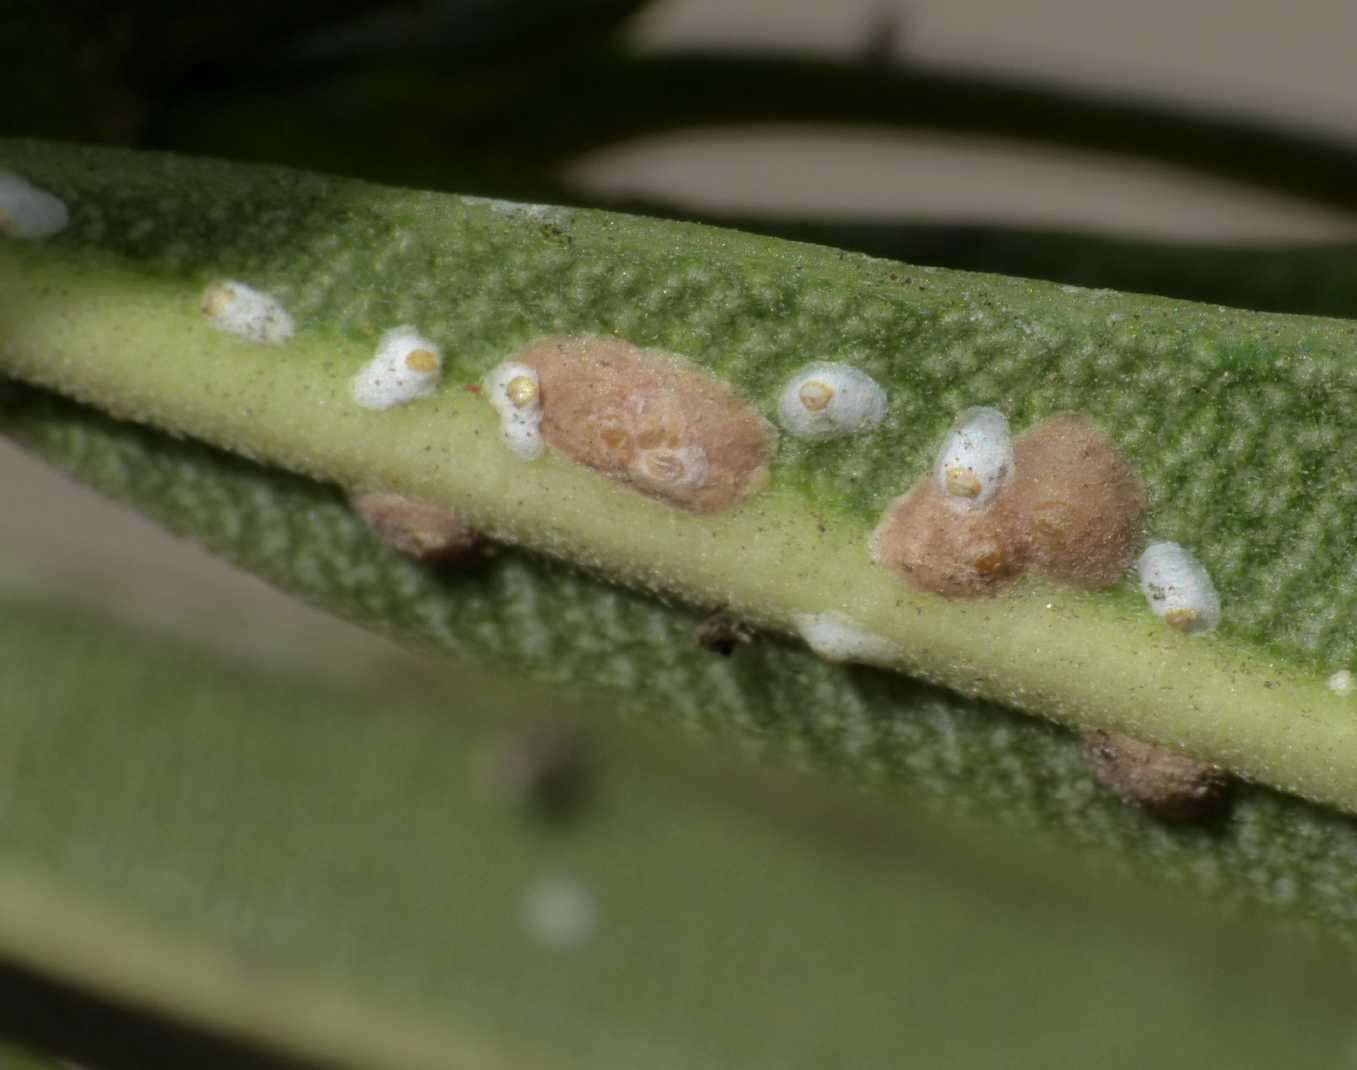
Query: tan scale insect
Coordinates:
[428,533]
[650,420]
[1077,503]
[1164,782]
[924,540]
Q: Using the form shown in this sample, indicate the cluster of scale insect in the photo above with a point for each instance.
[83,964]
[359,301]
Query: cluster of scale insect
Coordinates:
[652,421]
[1061,500]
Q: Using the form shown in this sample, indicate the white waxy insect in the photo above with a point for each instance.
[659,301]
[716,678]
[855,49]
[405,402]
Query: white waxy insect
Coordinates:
[976,459]
[1178,588]
[242,310]
[27,211]
[836,637]
[825,401]
[406,367]
[1343,683]
[516,393]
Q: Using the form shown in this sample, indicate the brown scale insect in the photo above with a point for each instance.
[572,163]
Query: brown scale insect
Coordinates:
[1163,782]
[1077,504]
[650,420]
[927,541]
[428,533]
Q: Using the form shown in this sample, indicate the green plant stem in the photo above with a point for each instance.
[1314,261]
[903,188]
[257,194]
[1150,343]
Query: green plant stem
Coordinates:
[1082,659]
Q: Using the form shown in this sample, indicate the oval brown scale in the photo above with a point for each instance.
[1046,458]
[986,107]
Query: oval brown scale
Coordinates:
[1164,782]
[1076,503]
[426,532]
[960,553]
[651,420]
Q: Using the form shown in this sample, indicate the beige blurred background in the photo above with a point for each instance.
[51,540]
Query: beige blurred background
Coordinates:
[1291,61]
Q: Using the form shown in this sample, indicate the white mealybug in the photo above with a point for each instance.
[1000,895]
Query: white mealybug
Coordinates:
[1178,588]
[406,367]
[836,637]
[242,310]
[1343,683]
[27,211]
[515,392]
[976,458]
[829,401]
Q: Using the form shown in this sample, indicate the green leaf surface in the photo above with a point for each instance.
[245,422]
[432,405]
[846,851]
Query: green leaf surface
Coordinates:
[525,616]
[319,869]
[1315,279]
[1239,422]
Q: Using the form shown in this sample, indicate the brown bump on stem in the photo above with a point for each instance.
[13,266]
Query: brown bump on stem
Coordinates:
[8,227]
[428,533]
[925,540]
[1164,782]
[722,634]
[1076,503]
[610,406]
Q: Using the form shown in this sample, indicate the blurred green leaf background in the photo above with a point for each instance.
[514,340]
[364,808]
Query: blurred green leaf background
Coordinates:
[234,831]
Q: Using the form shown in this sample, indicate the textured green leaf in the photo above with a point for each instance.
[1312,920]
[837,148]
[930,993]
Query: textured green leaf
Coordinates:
[526,615]
[1316,279]
[317,868]
[1239,422]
